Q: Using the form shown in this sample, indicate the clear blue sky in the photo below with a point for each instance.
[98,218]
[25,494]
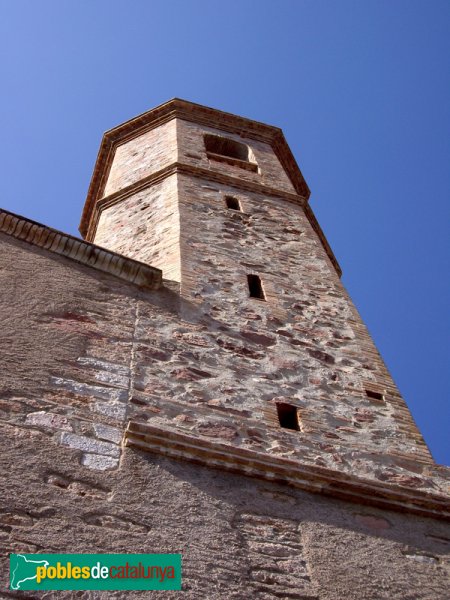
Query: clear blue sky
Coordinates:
[360,88]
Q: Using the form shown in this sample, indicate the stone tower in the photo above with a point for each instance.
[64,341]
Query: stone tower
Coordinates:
[207,385]
[217,202]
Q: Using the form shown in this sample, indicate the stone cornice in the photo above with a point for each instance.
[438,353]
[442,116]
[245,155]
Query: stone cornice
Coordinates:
[189,111]
[80,251]
[185,169]
[278,469]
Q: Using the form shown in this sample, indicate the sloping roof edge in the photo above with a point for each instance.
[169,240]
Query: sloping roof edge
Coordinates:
[80,251]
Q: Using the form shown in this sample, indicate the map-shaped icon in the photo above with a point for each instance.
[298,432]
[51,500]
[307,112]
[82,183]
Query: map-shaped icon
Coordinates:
[24,570]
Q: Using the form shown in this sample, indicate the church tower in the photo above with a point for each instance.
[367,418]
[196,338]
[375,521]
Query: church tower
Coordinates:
[193,378]
[274,357]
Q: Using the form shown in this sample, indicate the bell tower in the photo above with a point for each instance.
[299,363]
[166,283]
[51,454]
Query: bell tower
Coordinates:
[193,378]
[272,356]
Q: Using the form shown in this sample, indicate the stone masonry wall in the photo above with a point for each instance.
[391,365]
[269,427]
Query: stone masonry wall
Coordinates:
[142,156]
[192,368]
[82,352]
[306,345]
[67,340]
[145,226]
[240,538]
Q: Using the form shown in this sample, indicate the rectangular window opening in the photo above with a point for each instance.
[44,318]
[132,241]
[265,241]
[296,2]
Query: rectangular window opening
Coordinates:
[374,395]
[255,287]
[230,151]
[233,203]
[288,416]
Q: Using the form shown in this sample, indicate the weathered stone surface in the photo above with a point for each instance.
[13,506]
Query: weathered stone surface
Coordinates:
[220,431]
[105,432]
[86,444]
[84,353]
[126,226]
[94,391]
[372,522]
[110,409]
[99,462]
[230,529]
[51,420]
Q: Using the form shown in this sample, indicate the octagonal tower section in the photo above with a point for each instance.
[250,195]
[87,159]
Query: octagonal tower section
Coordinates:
[134,202]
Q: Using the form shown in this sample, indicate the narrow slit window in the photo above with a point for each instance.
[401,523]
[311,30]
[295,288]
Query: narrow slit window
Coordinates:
[374,395]
[233,203]
[288,416]
[255,287]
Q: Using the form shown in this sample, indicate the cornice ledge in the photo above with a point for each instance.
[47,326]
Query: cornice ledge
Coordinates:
[79,250]
[186,169]
[313,479]
[226,179]
[190,111]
